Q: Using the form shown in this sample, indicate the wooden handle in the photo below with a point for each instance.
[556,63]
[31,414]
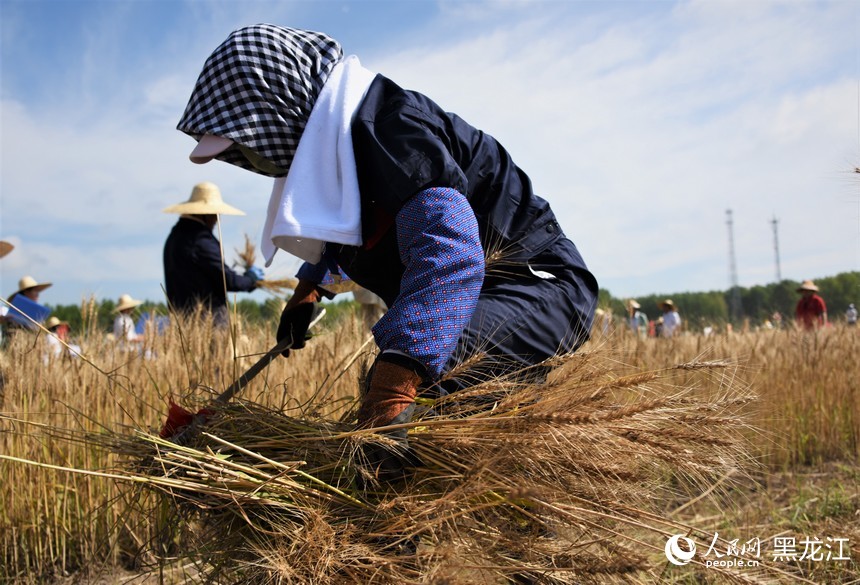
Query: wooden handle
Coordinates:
[252,372]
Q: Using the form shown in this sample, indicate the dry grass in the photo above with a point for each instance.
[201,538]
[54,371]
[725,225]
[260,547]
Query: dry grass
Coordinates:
[569,483]
[808,410]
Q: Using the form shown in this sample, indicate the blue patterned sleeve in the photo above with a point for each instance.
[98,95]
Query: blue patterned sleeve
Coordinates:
[439,244]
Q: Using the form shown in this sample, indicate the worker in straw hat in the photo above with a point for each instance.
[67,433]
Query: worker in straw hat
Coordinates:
[28,287]
[24,307]
[637,319]
[671,319]
[57,341]
[407,200]
[811,311]
[123,324]
[194,271]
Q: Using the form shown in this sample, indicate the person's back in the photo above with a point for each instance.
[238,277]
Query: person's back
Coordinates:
[194,272]
[190,275]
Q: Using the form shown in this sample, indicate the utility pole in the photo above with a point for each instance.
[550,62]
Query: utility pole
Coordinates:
[735,299]
[775,222]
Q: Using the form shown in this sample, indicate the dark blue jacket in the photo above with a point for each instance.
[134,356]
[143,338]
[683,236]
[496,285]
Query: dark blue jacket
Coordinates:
[192,268]
[404,143]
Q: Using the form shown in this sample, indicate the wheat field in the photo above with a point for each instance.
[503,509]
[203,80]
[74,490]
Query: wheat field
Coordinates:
[784,452]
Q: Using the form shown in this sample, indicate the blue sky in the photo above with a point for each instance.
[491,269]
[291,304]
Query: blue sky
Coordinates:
[641,123]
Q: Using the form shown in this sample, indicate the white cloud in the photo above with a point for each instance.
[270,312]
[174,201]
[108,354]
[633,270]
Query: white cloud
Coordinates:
[641,141]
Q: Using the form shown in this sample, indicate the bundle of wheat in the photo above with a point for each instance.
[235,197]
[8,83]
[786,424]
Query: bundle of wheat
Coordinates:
[248,258]
[558,483]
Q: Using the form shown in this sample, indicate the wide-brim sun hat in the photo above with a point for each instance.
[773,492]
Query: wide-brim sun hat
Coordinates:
[126,302]
[5,248]
[668,303]
[29,283]
[807,285]
[53,322]
[633,304]
[205,200]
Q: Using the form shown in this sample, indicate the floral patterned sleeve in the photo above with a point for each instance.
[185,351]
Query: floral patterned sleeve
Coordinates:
[440,246]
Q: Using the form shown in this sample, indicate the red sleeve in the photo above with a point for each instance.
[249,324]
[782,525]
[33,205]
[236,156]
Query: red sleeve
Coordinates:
[820,307]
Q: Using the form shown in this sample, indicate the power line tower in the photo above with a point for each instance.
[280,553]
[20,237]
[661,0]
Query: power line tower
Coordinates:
[775,222]
[735,298]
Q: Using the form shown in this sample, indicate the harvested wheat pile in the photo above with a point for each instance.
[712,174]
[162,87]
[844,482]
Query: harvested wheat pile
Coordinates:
[563,482]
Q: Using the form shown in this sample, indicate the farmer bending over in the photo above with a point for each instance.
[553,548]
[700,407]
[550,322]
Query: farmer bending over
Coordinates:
[380,184]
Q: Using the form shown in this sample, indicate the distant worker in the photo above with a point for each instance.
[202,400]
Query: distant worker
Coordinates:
[124,330]
[811,311]
[671,319]
[638,319]
[603,321]
[29,288]
[57,342]
[25,304]
[776,319]
[5,248]
[194,271]
[851,315]
[372,306]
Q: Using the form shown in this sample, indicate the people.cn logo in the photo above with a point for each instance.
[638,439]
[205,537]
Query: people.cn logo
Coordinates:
[677,555]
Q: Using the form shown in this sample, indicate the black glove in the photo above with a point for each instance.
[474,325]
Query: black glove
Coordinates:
[389,399]
[294,326]
[297,315]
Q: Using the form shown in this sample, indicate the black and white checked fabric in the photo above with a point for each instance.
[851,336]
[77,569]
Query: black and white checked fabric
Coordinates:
[258,89]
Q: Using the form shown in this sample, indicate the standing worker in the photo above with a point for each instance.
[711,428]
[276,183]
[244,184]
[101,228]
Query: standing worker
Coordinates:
[194,271]
[671,319]
[811,311]
[851,315]
[123,324]
[407,200]
[637,319]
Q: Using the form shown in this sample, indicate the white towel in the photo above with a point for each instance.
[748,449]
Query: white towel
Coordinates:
[318,201]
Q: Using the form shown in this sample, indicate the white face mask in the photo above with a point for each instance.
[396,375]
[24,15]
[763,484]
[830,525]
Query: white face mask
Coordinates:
[260,163]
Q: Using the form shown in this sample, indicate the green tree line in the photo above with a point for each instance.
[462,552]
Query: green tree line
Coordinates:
[698,309]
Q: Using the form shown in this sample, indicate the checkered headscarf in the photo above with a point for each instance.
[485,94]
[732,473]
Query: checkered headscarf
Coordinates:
[258,89]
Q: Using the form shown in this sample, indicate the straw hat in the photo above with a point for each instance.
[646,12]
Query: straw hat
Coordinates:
[633,304]
[5,248]
[668,303]
[205,200]
[28,282]
[126,302]
[53,322]
[807,285]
